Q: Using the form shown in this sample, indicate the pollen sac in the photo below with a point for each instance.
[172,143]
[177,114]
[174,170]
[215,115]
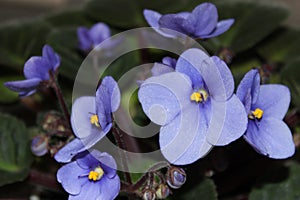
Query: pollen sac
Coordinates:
[94,120]
[176,177]
[256,114]
[199,96]
[162,191]
[96,174]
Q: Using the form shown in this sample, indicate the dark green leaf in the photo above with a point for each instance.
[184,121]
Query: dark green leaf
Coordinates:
[15,154]
[206,190]
[19,41]
[282,45]
[286,190]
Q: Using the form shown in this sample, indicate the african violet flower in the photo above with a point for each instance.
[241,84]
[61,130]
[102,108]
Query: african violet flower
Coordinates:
[36,70]
[91,119]
[195,106]
[90,38]
[202,22]
[91,176]
[266,105]
[168,65]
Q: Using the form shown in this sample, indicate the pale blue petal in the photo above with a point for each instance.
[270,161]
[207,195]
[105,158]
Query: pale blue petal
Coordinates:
[274,100]
[228,121]
[90,190]
[24,87]
[183,140]
[222,26]
[85,42]
[272,138]
[37,67]
[109,188]
[163,97]
[99,32]
[66,153]
[51,56]
[159,69]
[68,176]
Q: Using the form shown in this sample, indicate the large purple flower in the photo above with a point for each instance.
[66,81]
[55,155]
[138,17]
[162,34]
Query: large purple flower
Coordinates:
[90,38]
[202,22]
[195,106]
[36,70]
[91,119]
[91,176]
[266,105]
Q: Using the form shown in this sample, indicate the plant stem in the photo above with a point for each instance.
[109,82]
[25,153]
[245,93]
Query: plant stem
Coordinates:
[59,95]
[45,180]
[118,135]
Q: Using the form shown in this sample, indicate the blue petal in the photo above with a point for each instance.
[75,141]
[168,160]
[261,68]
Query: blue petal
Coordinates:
[108,98]
[250,83]
[51,56]
[90,190]
[222,26]
[85,42]
[163,97]
[37,67]
[226,75]
[274,100]
[68,176]
[228,121]
[25,87]
[99,32]
[152,17]
[206,16]
[83,108]
[174,22]
[70,150]
[272,138]
[183,140]
[159,69]
[200,65]
[171,62]
[109,188]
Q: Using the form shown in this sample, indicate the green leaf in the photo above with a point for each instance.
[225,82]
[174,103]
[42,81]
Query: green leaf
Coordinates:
[286,190]
[15,154]
[20,40]
[291,77]
[206,190]
[254,20]
[64,41]
[8,96]
[281,46]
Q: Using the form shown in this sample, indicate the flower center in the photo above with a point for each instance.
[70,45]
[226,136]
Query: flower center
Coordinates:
[256,114]
[94,120]
[199,96]
[96,174]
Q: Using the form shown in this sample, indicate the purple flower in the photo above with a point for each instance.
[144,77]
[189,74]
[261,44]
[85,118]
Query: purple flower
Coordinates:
[90,38]
[202,22]
[91,119]
[168,65]
[195,106]
[91,176]
[36,70]
[266,105]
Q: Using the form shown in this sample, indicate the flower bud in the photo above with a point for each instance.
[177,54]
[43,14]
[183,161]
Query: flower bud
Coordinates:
[162,191]
[176,177]
[149,194]
[39,145]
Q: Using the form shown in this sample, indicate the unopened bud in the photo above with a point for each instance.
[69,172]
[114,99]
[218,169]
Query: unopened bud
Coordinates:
[149,194]
[176,177]
[39,145]
[162,191]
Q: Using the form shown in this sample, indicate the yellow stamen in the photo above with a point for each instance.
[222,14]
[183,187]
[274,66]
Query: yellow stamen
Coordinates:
[94,120]
[258,113]
[199,96]
[96,174]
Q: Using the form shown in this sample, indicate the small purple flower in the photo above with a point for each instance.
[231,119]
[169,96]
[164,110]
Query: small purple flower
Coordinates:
[195,106]
[168,65]
[36,70]
[91,119]
[91,176]
[266,105]
[90,38]
[202,22]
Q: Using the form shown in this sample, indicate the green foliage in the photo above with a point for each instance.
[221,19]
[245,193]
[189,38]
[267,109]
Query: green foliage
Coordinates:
[286,190]
[15,154]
